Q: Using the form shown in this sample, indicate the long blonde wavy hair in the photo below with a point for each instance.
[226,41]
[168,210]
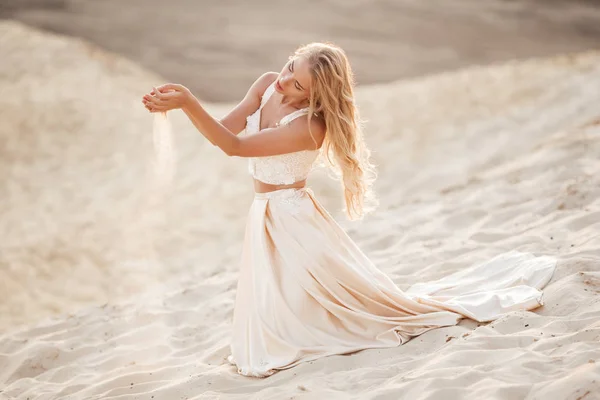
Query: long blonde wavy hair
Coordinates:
[332,98]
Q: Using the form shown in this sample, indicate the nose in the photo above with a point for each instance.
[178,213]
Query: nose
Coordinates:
[285,79]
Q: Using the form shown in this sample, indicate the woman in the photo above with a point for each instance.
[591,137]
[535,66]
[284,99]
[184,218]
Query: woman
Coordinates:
[305,289]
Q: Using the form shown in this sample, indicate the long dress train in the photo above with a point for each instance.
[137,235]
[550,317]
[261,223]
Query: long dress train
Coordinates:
[306,290]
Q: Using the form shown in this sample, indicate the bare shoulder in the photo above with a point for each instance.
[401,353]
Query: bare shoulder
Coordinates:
[317,128]
[253,97]
[318,124]
[262,83]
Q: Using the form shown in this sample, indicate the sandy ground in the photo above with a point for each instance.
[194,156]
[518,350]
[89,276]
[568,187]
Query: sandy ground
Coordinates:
[115,287]
[219,48]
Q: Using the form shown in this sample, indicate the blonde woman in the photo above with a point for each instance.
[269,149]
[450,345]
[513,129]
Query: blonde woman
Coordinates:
[305,289]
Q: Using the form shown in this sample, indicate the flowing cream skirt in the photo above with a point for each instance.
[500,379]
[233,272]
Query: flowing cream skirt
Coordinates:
[307,291]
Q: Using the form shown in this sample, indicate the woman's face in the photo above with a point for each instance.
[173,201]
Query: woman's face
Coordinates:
[294,79]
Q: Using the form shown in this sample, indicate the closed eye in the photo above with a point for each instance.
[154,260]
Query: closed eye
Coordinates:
[296,84]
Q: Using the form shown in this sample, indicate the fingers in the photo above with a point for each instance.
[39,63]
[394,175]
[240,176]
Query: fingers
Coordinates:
[152,104]
[158,98]
[153,109]
[156,93]
[154,101]
[169,87]
[159,109]
[162,98]
[165,96]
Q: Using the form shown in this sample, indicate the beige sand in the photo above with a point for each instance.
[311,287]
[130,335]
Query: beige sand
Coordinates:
[112,287]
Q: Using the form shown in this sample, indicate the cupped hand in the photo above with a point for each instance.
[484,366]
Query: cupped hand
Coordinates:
[167,97]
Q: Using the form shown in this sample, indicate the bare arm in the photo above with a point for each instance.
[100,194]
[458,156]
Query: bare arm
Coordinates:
[271,141]
[283,139]
[235,121]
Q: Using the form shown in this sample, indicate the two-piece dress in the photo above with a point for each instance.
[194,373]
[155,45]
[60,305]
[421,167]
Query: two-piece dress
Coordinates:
[306,290]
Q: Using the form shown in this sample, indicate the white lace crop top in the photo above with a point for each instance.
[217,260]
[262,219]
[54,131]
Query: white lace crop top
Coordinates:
[282,169]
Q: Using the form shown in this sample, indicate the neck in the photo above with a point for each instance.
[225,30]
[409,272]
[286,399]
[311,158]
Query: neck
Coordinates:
[298,104]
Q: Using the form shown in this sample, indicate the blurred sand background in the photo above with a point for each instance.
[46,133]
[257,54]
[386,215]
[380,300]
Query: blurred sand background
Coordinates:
[219,48]
[113,286]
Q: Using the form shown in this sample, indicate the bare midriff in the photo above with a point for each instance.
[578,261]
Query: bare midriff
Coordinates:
[262,187]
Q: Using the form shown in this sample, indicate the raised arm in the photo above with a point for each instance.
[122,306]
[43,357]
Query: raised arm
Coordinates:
[284,139]
[235,121]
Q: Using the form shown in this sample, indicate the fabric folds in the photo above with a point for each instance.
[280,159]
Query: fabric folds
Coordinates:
[306,290]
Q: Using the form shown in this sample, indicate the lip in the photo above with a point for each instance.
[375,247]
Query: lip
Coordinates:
[278,86]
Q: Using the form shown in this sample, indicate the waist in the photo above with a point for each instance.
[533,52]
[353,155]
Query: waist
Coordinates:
[283,193]
[262,187]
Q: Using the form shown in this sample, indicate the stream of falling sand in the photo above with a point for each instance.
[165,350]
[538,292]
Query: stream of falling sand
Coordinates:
[164,165]
[141,260]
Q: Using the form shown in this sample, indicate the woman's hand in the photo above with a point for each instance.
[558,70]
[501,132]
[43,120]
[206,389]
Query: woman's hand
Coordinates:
[167,97]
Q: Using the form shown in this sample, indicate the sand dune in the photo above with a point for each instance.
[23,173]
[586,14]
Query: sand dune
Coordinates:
[219,48]
[113,287]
